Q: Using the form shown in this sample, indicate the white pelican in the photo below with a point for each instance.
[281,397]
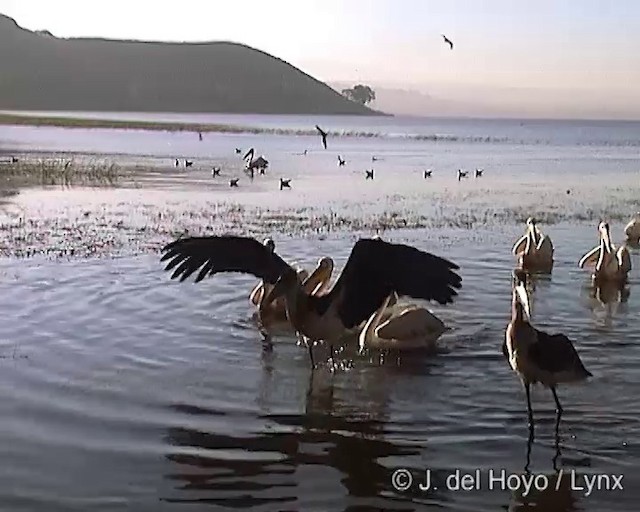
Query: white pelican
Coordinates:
[373,271]
[632,229]
[534,249]
[403,327]
[611,264]
[313,284]
[534,355]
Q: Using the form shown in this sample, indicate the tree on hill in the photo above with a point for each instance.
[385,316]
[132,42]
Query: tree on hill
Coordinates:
[362,94]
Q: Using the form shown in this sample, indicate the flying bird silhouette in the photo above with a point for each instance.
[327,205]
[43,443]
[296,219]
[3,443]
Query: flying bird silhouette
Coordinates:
[215,172]
[324,136]
[340,161]
[369,175]
[447,40]
[233,182]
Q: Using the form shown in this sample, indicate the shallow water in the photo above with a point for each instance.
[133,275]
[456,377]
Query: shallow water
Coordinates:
[120,389]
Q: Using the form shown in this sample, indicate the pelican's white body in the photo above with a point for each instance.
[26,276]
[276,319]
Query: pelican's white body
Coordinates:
[534,249]
[610,264]
[401,327]
[632,229]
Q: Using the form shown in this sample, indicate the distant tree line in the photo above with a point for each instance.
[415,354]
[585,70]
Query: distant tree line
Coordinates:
[362,94]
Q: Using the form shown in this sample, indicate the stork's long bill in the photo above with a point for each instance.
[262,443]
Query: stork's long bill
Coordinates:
[523,296]
[606,236]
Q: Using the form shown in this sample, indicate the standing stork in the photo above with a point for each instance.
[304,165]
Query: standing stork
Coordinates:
[260,163]
[612,265]
[374,270]
[538,357]
[534,249]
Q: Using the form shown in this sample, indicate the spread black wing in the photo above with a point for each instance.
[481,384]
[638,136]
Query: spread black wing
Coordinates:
[248,153]
[555,353]
[213,254]
[324,136]
[376,268]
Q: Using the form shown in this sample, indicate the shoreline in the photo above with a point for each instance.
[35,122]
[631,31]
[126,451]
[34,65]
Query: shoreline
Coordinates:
[77,122]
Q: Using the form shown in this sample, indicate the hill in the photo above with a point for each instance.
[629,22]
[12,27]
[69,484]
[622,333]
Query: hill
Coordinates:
[43,72]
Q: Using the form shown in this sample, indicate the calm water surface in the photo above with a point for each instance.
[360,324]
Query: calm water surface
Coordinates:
[123,390]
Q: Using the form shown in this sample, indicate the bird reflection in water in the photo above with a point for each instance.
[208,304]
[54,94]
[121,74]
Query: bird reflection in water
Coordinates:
[608,298]
[291,453]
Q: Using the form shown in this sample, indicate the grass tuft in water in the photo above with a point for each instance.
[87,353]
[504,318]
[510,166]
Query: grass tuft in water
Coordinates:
[59,172]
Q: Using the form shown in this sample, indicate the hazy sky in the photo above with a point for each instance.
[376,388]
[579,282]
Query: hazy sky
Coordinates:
[542,49]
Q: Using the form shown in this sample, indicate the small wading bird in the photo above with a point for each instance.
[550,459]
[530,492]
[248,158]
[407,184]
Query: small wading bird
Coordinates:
[233,182]
[177,162]
[188,163]
[447,41]
[340,161]
[373,271]
[427,174]
[534,249]
[538,357]
[215,172]
[478,173]
[323,134]
[632,229]
[462,174]
[369,175]
[401,327]
[611,264]
[285,183]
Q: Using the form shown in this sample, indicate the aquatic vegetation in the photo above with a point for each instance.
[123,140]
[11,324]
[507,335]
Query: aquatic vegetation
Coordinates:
[63,172]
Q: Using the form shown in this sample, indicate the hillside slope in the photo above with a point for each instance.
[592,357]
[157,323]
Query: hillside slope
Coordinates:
[42,72]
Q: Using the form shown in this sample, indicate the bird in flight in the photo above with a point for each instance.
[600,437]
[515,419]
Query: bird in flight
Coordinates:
[324,136]
[447,40]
